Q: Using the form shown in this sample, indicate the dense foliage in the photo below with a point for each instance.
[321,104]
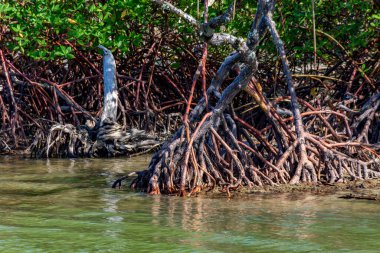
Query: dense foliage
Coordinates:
[40,28]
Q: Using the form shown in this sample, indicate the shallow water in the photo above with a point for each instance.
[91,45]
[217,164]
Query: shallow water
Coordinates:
[68,206]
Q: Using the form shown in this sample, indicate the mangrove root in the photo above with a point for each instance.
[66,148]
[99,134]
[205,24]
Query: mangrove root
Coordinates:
[280,141]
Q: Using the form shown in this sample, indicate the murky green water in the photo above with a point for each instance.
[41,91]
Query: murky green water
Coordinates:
[68,206]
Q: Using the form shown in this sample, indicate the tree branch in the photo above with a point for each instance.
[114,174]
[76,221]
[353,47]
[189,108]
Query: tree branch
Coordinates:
[206,30]
[169,7]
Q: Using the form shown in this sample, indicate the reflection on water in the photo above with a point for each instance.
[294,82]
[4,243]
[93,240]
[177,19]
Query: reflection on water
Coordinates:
[67,205]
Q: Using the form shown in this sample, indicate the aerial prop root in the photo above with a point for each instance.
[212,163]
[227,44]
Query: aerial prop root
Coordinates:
[209,153]
[216,157]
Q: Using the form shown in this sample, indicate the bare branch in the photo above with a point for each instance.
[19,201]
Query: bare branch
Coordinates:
[224,38]
[206,31]
[169,7]
[225,17]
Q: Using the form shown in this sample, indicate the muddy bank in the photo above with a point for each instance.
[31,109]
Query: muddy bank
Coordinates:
[358,189]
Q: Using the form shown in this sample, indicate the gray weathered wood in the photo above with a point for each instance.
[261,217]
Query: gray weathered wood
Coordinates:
[110,86]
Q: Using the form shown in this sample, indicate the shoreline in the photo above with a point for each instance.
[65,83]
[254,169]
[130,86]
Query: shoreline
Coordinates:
[356,189]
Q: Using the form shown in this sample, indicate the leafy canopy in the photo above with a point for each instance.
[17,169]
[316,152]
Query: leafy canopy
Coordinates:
[42,28]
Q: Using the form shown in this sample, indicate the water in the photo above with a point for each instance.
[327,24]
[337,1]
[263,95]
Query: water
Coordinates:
[68,206]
